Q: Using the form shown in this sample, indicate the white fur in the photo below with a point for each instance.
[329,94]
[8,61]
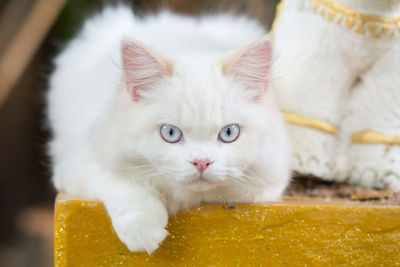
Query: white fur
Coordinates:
[319,64]
[107,145]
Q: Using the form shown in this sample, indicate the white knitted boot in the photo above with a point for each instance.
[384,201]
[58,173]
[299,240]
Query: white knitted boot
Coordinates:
[322,47]
[370,132]
[315,65]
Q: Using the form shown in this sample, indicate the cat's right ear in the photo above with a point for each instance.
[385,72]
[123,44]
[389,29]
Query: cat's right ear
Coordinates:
[143,68]
[251,66]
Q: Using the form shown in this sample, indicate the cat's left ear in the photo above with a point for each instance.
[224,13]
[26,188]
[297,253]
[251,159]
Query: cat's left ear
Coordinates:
[143,67]
[251,65]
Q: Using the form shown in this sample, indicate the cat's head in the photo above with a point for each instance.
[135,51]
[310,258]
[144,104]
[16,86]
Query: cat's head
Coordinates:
[196,121]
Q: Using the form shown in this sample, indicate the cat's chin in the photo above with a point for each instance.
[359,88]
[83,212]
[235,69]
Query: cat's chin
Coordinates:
[201,184]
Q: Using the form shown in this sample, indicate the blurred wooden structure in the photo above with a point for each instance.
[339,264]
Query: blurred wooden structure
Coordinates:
[24,26]
[290,233]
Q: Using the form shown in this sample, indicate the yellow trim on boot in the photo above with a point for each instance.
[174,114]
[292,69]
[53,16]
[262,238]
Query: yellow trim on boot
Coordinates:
[297,119]
[373,137]
[364,24]
[372,25]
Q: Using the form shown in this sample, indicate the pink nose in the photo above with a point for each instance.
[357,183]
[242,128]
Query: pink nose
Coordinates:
[201,164]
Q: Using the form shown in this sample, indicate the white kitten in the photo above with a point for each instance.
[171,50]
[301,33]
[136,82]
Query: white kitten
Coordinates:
[150,135]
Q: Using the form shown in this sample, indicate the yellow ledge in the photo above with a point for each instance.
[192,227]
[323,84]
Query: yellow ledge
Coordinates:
[291,233]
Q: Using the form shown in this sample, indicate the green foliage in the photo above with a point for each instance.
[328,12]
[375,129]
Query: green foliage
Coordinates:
[71,18]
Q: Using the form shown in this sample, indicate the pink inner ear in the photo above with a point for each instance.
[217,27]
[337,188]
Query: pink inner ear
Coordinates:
[253,66]
[141,68]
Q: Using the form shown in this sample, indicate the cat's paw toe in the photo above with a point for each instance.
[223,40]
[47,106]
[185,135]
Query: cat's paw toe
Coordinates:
[145,239]
[140,232]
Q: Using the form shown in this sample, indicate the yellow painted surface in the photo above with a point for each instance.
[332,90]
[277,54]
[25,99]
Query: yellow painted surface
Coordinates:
[283,234]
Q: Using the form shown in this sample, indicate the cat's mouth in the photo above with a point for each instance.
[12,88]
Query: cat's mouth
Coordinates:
[201,179]
[201,183]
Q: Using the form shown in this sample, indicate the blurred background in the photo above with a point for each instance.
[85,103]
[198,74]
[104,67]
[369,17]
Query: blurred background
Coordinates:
[32,32]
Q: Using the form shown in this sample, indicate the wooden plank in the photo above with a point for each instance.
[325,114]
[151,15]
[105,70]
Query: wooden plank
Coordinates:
[11,18]
[25,42]
[288,233]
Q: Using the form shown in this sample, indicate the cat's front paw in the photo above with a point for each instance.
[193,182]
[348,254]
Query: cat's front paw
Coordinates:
[139,232]
[145,239]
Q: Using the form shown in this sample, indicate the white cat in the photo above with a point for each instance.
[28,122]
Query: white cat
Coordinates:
[150,133]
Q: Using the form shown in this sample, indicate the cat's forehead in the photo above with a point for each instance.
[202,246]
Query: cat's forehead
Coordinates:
[198,96]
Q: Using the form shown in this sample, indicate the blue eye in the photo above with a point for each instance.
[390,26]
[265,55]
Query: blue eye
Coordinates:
[229,133]
[171,133]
